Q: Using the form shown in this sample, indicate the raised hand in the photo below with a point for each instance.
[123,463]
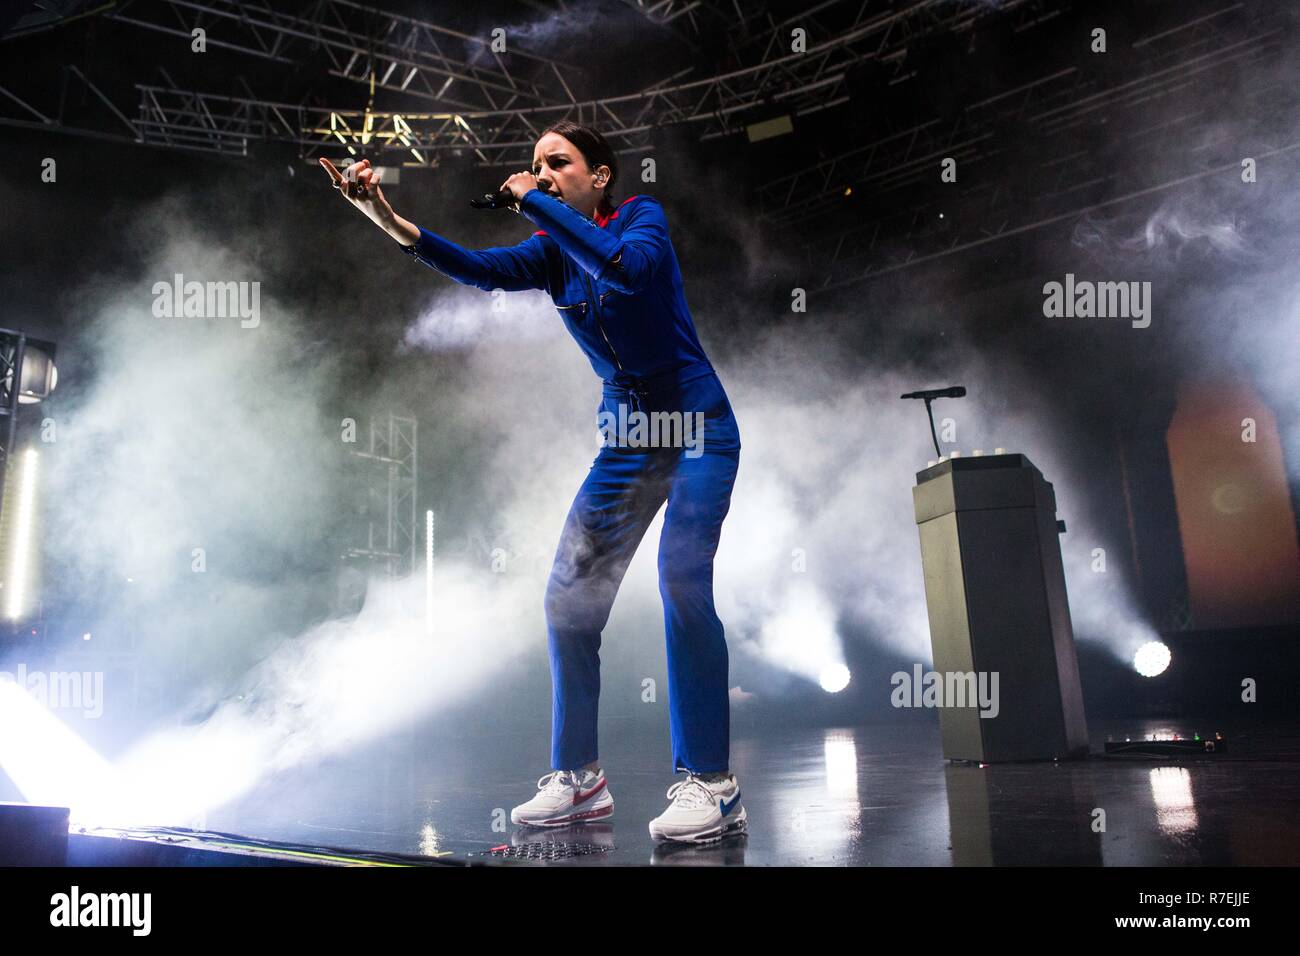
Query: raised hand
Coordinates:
[359,184]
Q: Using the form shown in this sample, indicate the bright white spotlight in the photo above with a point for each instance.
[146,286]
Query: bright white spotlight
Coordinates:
[799,635]
[23,534]
[51,765]
[1151,659]
[834,678]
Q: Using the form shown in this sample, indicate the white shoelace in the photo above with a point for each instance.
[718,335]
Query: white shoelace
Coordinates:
[561,780]
[691,792]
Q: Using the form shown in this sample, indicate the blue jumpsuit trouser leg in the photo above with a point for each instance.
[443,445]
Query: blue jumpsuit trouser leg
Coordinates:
[616,503]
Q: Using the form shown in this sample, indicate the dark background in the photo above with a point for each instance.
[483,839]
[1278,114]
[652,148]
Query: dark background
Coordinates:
[1121,166]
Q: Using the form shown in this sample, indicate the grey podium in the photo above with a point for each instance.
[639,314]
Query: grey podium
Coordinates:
[995,594]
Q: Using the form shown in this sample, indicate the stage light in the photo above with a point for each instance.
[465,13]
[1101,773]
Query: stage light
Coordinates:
[799,635]
[834,678]
[1151,659]
[50,764]
[767,129]
[39,375]
[428,573]
[20,557]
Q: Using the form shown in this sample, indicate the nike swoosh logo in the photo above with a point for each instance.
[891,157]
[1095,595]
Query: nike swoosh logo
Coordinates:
[726,806]
[589,794]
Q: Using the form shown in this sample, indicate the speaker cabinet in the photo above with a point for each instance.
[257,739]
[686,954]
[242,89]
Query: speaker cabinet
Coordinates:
[995,593]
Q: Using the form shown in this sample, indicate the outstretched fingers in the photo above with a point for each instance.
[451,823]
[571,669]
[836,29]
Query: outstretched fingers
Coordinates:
[355,181]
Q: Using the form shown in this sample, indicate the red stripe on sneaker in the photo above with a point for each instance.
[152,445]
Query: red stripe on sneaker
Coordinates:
[589,794]
[589,814]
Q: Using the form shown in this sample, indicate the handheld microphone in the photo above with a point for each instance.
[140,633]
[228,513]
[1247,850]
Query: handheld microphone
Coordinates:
[956,391]
[502,200]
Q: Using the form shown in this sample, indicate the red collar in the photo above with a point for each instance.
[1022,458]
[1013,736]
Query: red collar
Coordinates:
[601,219]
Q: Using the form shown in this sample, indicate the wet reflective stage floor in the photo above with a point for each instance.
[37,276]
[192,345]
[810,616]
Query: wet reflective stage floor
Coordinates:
[872,795]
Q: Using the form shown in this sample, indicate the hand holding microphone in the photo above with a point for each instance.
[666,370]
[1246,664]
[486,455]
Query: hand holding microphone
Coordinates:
[502,200]
[509,193]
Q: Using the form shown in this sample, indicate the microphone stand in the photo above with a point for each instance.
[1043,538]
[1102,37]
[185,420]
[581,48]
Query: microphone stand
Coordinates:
[933,435]
[929,396]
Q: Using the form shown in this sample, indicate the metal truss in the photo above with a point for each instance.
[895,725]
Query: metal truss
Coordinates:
[385,51]
[664,12]
[495,105]
[1038,127]
[933,229]
[390,487]
[40,17]
[695,20]
[13,346]
[894,29]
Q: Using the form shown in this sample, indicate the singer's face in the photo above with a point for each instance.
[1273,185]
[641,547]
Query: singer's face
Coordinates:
[562,172]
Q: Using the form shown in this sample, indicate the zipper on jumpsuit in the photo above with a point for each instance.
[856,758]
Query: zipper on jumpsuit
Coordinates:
[595,309]
[634,389]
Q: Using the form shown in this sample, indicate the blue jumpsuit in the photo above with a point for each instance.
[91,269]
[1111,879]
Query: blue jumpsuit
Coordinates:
[630,318]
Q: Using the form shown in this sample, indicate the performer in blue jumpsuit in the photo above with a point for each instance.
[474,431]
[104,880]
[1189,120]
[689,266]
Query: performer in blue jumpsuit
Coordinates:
[616,283]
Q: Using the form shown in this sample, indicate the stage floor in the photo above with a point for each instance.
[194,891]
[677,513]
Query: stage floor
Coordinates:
[873,795]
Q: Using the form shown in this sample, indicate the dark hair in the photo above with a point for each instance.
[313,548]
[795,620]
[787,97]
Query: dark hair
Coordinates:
[595,150]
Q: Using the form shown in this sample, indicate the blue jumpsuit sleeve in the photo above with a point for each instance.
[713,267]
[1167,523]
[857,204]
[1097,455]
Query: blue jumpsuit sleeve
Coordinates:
[512,268]
[639,249]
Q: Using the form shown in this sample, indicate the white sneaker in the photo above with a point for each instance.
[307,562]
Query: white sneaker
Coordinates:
[565,797]
[701,811]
